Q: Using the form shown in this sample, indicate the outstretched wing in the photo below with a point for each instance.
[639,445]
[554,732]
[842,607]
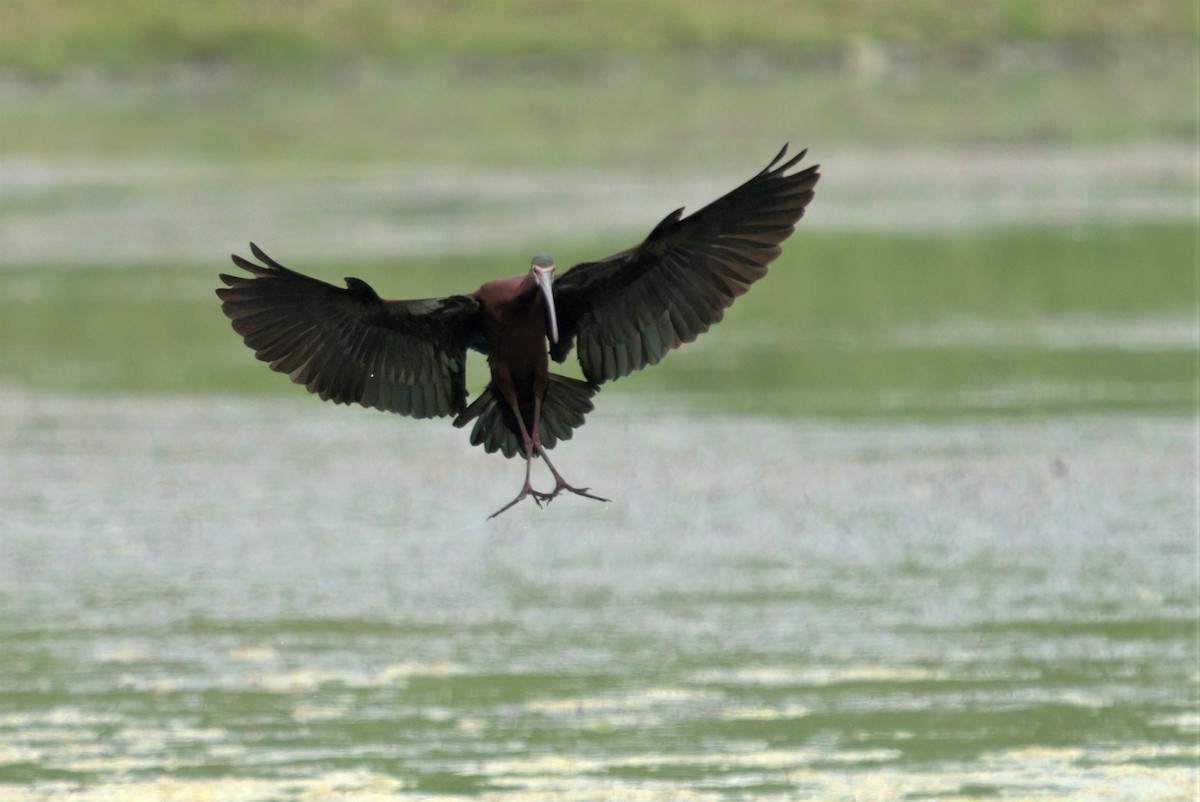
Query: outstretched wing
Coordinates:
[349,345]
[630,309]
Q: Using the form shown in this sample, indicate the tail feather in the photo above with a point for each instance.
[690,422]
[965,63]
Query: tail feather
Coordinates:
[566,403]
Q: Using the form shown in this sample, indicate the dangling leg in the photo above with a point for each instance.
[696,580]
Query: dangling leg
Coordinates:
[528,447]
[560,484]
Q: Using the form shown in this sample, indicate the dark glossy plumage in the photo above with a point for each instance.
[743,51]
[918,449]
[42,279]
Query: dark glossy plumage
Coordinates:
[351,346]
[620,314]
[629,310]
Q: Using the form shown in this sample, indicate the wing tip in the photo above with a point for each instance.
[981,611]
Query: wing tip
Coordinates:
[268,267]
[230,281]
[790,163]
[261,255]
[782,152]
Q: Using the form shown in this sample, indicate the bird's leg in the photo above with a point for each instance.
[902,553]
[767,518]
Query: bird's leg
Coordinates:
[527,445]
[560,484]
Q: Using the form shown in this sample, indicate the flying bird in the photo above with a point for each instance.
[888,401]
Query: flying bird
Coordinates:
[619,314]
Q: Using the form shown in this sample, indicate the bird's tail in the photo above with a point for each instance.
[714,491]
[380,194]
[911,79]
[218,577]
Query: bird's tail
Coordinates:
[567,400]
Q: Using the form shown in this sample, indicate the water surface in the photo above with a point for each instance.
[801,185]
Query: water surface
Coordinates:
[211,598]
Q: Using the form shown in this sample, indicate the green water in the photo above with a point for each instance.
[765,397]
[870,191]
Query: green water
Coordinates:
[223,598]
[1024,321]
[916,521]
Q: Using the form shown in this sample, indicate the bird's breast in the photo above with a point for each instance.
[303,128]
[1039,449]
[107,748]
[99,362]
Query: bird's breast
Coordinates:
[516,336]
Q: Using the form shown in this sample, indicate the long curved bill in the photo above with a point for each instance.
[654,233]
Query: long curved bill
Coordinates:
[545,279]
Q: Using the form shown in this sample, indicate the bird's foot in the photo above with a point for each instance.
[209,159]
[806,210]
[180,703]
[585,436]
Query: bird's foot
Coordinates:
[560,485]
[537,496]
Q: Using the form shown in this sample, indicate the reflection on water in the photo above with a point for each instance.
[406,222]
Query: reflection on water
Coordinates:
[238,600]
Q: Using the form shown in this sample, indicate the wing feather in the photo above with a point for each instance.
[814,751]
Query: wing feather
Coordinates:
[631,309]
[349,345]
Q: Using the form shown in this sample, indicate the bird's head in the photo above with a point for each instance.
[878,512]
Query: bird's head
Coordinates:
[541,267]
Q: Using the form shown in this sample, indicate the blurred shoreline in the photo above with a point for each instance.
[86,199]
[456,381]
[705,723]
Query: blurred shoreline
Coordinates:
[86,210]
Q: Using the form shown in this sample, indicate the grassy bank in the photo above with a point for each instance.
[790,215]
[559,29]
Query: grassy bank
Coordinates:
[531,83]
[865,324]
[51,37]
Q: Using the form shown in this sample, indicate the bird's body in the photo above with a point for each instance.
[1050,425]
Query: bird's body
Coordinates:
[620,314]
[513,314]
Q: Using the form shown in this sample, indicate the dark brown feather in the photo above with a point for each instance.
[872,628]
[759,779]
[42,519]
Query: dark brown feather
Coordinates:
[629,310]
[566,403]
[349,345]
